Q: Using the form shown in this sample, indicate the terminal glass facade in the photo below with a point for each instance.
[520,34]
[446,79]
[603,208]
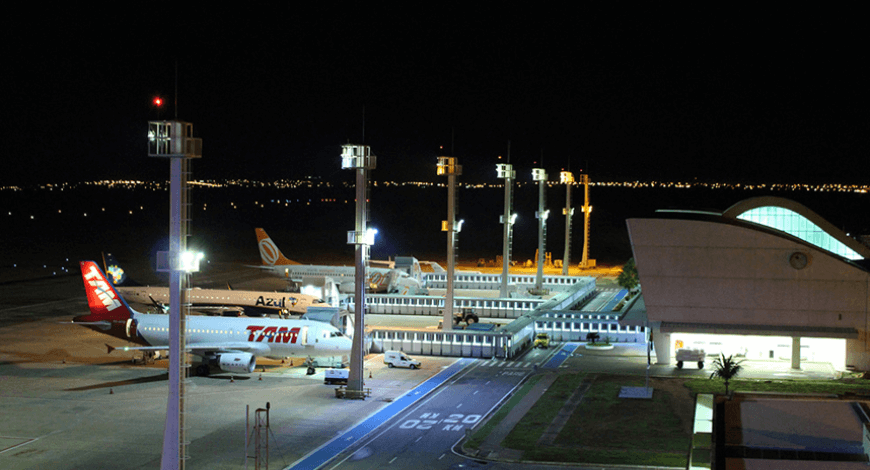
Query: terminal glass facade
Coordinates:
[799,226]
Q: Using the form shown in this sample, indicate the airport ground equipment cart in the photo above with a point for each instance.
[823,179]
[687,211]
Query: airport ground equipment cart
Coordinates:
[691,355]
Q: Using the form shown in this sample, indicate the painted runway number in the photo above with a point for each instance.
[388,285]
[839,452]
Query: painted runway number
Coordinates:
[452,422]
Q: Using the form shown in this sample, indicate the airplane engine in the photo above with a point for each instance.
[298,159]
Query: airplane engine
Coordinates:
[346,288]
[240,363]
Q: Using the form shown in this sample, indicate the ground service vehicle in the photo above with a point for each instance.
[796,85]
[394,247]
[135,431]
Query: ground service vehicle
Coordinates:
[399,359]
[542,340]
[691,355]
[335,376]
[467,315]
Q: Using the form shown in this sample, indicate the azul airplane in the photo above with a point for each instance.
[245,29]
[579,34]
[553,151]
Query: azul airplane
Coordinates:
[231,344]
[379,279]
[251,303]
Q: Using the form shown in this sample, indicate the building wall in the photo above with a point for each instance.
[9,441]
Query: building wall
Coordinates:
[700,271]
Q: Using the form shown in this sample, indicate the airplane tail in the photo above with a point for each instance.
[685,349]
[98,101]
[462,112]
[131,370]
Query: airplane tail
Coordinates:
[269,252]
[116,273]
[105,303]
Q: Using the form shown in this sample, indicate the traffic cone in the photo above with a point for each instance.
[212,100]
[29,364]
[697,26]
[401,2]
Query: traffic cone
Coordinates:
[232,379]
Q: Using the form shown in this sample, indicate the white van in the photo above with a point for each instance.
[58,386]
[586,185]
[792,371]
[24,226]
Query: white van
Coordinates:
[399,359]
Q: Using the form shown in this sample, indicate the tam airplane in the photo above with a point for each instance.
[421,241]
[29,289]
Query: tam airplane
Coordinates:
[231,344]
[379,279]
[251,303]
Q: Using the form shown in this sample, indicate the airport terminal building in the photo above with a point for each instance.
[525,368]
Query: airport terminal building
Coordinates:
[766,279]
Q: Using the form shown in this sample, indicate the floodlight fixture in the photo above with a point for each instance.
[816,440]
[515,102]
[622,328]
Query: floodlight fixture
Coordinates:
[362,238]
[370,236]
[448,166]
[357,157]
[189,261]
[505,170]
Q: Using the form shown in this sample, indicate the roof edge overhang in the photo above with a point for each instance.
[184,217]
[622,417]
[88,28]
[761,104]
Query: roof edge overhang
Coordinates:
[760,330]
[712,217]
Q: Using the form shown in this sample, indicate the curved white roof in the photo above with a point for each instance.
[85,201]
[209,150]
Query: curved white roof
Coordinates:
[799,221]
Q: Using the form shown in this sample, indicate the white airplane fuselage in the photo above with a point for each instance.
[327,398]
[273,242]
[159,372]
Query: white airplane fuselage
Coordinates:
[380,279]
[233,344]
[250,301]
[274,338]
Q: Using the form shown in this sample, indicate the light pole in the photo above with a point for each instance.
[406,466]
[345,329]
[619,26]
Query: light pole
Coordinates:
[450,166]
[359,158]
[568,178]
[174,140]
[540,175]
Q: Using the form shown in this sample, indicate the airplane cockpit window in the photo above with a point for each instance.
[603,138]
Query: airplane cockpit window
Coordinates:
[335,334]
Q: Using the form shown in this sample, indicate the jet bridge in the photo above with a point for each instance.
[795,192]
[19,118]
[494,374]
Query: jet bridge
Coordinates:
[506,342]
[521,282]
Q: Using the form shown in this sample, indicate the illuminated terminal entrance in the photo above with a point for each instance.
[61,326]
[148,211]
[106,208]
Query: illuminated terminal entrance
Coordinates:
[764,348]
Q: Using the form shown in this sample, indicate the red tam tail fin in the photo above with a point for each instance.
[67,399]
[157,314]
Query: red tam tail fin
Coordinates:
[103,300]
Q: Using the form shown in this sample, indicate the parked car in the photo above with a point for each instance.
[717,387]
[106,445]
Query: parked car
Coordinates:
[399,359]
[542,340]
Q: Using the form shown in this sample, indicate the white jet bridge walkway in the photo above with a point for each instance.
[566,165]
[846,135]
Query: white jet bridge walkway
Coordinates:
[503,343]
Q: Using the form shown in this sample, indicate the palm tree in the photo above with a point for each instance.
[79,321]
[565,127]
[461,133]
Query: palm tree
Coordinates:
[628,278]
[726,368]
[592,337]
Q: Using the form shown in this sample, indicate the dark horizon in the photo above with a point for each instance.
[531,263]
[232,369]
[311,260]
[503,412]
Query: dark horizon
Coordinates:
[656,94]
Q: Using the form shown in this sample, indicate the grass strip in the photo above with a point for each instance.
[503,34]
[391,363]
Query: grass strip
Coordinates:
[839,387]
[483,432]
[525,435]
[604,428]
[626,431]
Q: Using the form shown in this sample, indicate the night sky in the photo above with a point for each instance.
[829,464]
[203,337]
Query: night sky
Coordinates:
[663,92]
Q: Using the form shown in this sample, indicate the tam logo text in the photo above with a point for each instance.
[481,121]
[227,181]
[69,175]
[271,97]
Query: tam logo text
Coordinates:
[102,289]
[273,334]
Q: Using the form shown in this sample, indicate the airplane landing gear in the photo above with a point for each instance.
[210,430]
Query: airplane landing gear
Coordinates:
[202,370]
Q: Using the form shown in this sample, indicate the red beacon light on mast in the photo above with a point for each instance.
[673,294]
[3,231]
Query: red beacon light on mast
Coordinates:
[158,101]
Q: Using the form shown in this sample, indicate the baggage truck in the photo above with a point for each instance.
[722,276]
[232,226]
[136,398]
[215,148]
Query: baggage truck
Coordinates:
[691,355]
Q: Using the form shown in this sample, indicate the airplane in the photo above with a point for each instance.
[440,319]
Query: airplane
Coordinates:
[230,344]
[223,301]
[379,279]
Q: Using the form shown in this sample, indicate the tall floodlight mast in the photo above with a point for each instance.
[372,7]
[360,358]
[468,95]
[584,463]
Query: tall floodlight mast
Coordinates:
[359,158]
[506,171]
[585,262]
[450,166]
[174,140]
[568,178]
[540,175]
